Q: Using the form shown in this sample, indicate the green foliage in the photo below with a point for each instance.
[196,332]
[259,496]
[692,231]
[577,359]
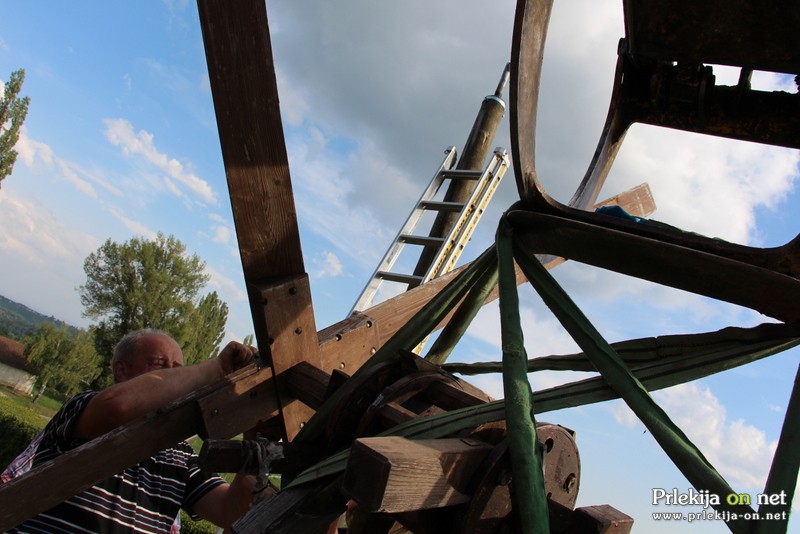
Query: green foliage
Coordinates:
[13,111]
[188,526]
[17,428]
[18,321]
[152,284]
[65,361]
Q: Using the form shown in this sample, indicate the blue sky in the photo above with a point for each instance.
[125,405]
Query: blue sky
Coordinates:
[121,141]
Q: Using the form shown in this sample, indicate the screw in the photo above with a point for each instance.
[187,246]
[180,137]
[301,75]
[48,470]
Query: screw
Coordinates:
[298,330]
[292,290]
[341,365]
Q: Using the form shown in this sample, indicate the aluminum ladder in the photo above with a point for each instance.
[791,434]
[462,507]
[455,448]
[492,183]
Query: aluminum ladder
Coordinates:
[449,246]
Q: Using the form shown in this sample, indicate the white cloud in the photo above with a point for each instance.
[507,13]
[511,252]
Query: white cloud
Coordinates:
[137,228]
[32,152]
[543,335]
[327,264]
[230,291]
[222,234]
[120,133]
[322,188]
[37,155]
[706,184]
[739,451]
[36,245]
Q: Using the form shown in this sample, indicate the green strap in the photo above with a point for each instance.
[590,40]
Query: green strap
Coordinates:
[782,479]
[684,454]
[726,348]
[455,328]
[530,501]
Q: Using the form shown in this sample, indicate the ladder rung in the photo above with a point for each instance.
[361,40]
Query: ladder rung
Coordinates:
[441,206]
[397,277]
[455,174]
[421,240]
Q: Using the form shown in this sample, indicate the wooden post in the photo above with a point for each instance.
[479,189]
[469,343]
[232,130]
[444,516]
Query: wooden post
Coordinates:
[243,84]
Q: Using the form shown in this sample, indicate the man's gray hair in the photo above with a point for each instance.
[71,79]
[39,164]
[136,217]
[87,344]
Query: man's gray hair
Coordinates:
[126,349]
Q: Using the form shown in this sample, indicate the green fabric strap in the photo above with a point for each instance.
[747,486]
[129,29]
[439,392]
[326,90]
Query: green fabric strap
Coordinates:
[530,501]
[684,454]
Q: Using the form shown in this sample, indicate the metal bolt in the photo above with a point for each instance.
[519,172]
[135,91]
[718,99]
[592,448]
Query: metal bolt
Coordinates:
[215,412]
[293,290]
[338,337]
[341,365]
[373,350]
[298,330]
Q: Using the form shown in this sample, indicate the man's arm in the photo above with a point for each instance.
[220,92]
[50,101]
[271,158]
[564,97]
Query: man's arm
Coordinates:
[131,399]
[227,502]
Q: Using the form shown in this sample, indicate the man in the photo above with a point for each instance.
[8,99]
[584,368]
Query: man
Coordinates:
[148,373]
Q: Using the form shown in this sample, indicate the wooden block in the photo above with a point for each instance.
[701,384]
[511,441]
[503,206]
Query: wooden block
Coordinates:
[248,402]
[600,519]
[394,474]
[288,336]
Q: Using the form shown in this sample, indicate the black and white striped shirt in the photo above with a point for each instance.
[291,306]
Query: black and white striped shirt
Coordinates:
[144,498]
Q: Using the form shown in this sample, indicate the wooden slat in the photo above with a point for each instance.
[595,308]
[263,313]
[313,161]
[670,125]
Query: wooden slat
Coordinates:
[127,445]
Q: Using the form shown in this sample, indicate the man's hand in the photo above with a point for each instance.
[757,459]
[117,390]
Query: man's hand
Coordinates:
[235,356]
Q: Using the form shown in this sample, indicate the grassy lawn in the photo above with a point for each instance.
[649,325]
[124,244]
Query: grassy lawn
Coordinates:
[45,406]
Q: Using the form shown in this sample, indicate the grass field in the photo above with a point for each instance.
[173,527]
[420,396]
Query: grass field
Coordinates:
[45,406]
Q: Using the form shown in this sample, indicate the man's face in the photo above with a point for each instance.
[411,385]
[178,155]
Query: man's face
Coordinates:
[154,351]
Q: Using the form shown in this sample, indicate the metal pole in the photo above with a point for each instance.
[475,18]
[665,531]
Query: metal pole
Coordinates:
[472,157]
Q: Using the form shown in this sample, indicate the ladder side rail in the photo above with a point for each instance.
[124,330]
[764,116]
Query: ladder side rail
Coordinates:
[471,214]
[368,293]
[499,165]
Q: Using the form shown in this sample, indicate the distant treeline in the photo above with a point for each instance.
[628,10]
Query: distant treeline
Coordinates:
[17,320]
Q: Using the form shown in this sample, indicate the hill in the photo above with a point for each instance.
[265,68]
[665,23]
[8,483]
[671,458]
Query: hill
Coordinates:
[18,320]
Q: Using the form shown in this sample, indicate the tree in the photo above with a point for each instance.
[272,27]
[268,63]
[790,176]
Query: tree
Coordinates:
[152,284]
[13,111]
[65,361]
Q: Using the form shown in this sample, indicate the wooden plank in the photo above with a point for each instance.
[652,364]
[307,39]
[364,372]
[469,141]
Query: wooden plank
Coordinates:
[127,445]
[243,85]
[250,399]
[393,474]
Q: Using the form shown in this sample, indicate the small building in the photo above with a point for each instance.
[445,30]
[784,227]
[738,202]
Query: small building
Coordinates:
[15,371]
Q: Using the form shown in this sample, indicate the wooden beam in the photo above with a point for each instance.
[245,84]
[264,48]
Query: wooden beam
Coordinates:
[243,84]
[393,474]
[284,310]
[111,453]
